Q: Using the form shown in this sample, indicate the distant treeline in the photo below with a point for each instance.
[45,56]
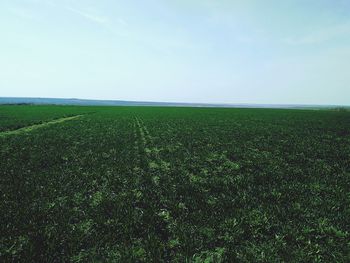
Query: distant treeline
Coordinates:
[18,104]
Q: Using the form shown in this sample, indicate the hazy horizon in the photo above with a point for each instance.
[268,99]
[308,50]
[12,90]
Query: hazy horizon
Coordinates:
[229,52]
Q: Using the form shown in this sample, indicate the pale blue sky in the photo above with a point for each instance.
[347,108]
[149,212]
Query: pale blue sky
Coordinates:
[216,51]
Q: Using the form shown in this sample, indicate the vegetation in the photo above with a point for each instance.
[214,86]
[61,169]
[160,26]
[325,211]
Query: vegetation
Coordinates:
[143,184]
[15,117]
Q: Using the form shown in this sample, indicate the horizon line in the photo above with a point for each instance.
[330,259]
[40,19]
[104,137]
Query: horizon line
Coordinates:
[186,103]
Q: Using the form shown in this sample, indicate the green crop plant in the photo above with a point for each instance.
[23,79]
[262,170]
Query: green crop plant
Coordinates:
[163,184]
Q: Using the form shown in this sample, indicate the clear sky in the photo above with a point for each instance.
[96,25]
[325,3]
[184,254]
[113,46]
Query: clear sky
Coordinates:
[216,51]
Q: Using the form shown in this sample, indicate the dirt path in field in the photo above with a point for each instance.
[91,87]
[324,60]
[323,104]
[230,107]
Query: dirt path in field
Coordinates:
[144,133]
[140,142]
[37,126]
[154,175]
[141,131]
[147,141]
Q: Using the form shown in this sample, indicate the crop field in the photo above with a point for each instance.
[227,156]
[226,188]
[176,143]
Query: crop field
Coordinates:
[153,184]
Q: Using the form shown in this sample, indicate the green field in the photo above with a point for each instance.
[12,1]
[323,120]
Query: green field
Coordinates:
[152,184]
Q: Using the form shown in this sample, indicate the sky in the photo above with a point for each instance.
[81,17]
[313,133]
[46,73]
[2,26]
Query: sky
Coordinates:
[206,51]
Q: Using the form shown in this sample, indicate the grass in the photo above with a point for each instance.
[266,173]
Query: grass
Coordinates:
[145,184]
